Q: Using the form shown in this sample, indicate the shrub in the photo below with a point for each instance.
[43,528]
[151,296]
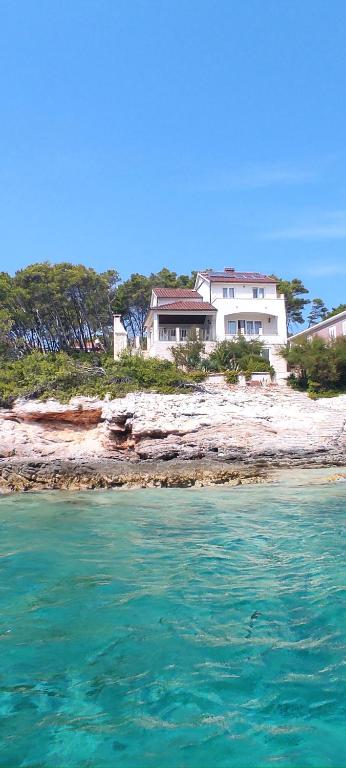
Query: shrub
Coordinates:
[318,365]
[189,355]
[62,376]
[232,377]
[252,365]
[229,355]
[298,382]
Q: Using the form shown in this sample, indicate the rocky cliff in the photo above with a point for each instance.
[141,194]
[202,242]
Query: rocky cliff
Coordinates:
[144,435]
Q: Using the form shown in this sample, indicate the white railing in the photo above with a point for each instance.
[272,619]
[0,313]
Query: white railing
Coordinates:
[182,335]
[248,336]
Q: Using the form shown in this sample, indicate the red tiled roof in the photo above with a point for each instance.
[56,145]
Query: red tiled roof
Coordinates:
[238,277]
[171,293]
[192,306]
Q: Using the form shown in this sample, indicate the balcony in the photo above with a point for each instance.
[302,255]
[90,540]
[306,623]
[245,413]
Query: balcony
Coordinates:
[274,337]
[182,335]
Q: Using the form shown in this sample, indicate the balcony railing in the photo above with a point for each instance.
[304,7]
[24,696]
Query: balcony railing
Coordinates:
[181,335]
[253,335]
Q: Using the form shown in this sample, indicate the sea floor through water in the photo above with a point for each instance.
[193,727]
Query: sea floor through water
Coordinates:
[174,628]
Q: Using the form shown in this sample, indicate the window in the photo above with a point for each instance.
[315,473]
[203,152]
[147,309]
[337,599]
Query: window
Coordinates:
[258,293]
[332,332]
[228,293]
[167,334]
[253,328]
[183,334]
[232,327]
[344,328]
[265,354]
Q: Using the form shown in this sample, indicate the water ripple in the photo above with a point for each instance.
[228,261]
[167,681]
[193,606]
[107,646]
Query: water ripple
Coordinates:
[176,629]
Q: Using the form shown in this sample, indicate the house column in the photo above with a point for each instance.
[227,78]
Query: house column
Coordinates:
[156,328]
[177,335]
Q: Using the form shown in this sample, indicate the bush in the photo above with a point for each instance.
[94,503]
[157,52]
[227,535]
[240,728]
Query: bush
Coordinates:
[189,355]
[63,376]
[257,365]
[231,355]
[318,365]
[298,382]
[232,377]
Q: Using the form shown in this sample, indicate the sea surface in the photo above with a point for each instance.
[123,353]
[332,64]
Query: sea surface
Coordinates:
[174,628]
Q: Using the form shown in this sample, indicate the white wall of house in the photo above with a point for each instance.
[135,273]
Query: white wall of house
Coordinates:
[249,303]
[119,336]
[162,349]
[254,309]
[243,291]
[241,303]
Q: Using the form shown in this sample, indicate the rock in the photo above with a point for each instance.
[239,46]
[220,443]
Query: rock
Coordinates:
[338,478]
[259,428]
[79,411]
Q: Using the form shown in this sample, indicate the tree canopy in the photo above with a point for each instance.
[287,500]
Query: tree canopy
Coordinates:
[54,307]
[318,312]
[335,311]
[133,296]
[293,290]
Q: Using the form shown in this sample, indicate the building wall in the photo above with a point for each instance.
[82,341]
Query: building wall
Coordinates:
[332,328]
[243,291]
[119,336]
[162,349]
[244,306]
[211,291]
[270,310]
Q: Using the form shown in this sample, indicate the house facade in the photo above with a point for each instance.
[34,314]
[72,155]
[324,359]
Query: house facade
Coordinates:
[328,330]
[221,306]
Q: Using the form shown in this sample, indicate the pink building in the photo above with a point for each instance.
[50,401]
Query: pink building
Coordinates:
[328,329]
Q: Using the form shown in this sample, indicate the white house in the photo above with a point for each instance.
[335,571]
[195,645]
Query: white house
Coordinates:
[221,306]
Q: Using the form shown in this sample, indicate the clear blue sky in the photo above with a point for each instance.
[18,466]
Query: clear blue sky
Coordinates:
[187,133]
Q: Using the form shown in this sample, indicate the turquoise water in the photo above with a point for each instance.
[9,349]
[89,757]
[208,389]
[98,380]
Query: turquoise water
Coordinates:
[173,628]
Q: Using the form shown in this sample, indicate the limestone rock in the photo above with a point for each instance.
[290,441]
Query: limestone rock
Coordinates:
[269,426]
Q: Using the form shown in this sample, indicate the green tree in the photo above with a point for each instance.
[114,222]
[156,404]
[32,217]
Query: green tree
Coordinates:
[6,324]
[320,363]
[293,291]
[336,310]
[318,311]
[62,306]
[132,299]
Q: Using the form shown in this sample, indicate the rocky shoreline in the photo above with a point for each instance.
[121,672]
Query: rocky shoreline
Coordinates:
[216,436]
[70,475]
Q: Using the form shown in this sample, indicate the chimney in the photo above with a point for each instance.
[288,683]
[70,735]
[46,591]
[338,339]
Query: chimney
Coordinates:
[229,269]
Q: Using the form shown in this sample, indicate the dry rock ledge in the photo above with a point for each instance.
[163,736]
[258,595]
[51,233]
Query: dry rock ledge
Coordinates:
[216,435]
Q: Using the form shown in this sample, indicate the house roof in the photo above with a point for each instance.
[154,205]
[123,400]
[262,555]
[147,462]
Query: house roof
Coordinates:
[190,306]
[231,276]
[171,293]
[323,324]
